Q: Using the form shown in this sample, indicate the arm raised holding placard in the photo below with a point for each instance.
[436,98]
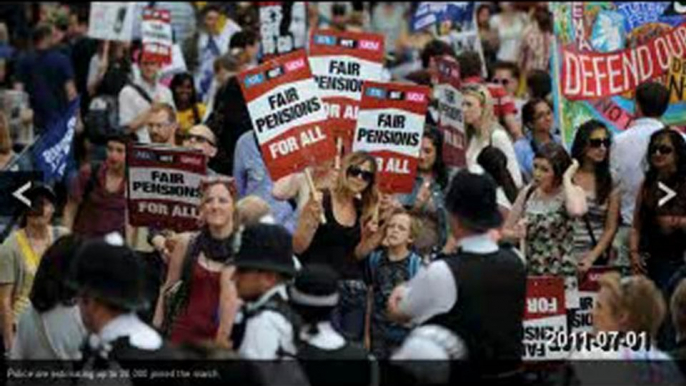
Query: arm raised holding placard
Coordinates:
[308,223]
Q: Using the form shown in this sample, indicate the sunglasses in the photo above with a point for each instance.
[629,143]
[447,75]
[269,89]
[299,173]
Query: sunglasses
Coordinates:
[199,139]
[356,172]
[662,149]
[597,142]
[504,82]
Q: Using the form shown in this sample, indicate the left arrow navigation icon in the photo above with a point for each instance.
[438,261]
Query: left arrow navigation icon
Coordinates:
[19,194]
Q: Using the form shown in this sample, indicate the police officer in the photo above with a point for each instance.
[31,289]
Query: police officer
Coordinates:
[264,264]
[108,278]
[325,355]
[266,326]
[478,293]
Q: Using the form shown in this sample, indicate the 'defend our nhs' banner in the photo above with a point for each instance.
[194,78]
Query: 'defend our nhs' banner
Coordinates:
[604,50]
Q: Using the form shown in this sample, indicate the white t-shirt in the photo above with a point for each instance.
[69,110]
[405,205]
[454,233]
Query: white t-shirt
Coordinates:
[510,36]
[132,104]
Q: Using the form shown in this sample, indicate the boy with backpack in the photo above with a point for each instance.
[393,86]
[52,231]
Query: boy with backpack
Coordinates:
[390,264]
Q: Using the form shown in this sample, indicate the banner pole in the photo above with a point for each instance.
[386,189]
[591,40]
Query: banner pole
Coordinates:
[310,182]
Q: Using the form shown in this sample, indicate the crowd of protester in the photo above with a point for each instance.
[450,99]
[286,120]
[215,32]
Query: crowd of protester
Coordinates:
[342,272]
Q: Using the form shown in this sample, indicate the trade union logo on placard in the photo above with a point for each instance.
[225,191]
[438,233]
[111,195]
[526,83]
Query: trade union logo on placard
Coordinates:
[376,92]
[254,80]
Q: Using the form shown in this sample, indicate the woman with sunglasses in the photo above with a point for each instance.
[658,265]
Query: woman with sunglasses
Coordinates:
[198,301]
[595,231]
[349,208]
[658,237]
[537,119]
[484,130]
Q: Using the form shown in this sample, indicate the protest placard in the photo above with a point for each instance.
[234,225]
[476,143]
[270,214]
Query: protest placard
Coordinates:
[390,125]
[287,115]
[156,33]
[283,27]
[112,21]
[340,62]
[450,118]
[603,51]
[163,186]
[545,318]
[581,318]
[454,22]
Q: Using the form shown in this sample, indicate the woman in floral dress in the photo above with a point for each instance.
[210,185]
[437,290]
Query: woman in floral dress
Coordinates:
[544,212]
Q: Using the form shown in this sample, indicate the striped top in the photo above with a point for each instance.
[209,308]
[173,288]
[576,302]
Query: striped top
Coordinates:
[596,215]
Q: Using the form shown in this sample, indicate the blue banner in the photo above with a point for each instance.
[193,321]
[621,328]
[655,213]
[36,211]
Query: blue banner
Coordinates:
[460,15]
[53,151]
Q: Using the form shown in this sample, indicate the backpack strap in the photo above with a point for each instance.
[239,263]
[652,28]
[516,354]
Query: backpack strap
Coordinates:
[373,263]
[141,92]
[414,263]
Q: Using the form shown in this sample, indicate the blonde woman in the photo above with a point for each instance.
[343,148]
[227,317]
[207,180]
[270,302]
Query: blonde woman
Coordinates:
[349,208]
[198,301]
[483,130]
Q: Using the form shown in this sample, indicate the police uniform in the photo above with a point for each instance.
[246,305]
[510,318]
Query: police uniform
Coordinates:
[477,293]
[112,274]
[326,357]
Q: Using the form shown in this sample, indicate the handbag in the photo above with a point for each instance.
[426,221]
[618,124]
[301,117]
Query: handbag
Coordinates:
[609,253]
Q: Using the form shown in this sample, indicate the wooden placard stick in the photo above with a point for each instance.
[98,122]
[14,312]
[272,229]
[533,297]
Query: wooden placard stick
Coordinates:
[313,190]
[339,150]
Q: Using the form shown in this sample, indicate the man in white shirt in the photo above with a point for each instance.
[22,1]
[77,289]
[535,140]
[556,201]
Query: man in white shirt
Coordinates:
[628,154]
[136,98]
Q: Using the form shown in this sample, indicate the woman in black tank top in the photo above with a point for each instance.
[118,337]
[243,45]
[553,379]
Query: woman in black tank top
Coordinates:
[348,208]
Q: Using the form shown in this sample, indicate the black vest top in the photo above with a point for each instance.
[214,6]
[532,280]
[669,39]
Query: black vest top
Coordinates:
[489,311]
[348,365]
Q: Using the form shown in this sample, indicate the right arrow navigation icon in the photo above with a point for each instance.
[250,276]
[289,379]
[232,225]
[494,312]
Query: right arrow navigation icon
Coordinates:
[669,194]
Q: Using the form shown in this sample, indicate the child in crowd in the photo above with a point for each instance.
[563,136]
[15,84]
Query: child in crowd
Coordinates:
[392,263]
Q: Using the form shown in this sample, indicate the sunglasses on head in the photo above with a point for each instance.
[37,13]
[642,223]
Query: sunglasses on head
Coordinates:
[597,142]
[355,171]
[662,149]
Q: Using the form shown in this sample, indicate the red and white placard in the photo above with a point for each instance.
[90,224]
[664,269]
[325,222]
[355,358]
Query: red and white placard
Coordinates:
[156,33]
[390,125]
[287,115]
[341,62]
[581,318]
[545,317]
[163,186]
